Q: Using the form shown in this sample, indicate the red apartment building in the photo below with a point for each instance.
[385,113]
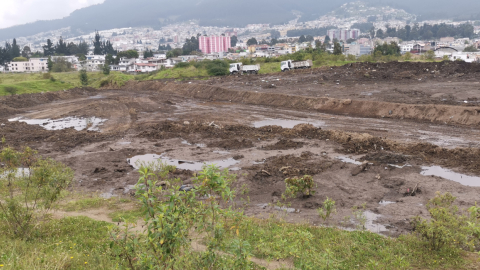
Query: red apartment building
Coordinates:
[214,44]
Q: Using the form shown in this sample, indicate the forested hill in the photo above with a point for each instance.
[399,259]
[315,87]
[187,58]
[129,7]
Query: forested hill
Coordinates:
[156,13]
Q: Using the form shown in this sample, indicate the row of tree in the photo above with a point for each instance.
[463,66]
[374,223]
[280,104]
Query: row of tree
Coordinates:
[425,32]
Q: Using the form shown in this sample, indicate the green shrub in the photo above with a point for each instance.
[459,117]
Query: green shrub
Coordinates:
[46,76]
[218,68]
[327,210]
[29,187]
[182,65]
[297,185]
[11,90]
[447,227]
[83,77]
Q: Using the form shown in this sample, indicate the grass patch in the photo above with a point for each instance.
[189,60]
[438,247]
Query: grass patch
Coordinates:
[127,215]
[77,203]
[69,243]
[316,247]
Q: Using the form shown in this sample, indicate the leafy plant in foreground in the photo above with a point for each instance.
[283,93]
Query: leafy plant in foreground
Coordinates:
[295,185]
[29,187]
[327,210]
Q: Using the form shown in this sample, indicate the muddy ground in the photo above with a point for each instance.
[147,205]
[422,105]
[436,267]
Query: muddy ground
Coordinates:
[396,118]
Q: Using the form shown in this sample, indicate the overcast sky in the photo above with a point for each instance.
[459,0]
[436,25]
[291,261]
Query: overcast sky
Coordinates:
[13,12]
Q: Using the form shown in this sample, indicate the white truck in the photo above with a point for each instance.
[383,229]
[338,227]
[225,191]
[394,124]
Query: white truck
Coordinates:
[289,64]
[239,68]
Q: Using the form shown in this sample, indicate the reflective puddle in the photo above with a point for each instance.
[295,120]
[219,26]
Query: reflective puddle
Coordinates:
[463,179]
[349,160]
[383,203]
[137,161]
[91,123]
[201,145]
[373,227]
[286,123]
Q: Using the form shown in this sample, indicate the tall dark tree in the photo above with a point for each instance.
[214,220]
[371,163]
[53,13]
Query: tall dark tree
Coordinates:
[61,48]
[97,44]
[233,41]
[147,54]
[337,48]
[26,52]
[48,49]
[252,41]
[15,49]
[83,47]
[191,45]
[302,39]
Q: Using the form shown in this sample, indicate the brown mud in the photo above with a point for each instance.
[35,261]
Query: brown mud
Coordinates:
[388,135]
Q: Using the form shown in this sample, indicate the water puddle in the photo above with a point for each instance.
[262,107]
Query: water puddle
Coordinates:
[124,143]
[221,152]
[373,227]
[383,203]
[180,164]
[92,123]
[287,209]
[108,195]
[287,123]
[201,145]
[467,180]
[349,160]
[399,167]
[96,97]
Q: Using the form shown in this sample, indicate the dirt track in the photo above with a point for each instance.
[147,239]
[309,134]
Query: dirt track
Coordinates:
[389,118]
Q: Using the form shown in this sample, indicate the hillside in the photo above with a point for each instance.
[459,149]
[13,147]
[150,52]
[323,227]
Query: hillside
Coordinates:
[157,13]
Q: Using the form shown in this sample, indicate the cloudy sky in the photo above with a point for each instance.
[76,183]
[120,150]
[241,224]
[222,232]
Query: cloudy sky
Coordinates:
[13,12]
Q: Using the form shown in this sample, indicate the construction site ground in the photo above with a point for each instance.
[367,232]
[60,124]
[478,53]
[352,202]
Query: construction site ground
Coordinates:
[365,132]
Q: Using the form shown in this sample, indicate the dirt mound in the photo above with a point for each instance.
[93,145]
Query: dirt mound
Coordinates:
[284,144]
[359,108]
[232,144]
[384,157]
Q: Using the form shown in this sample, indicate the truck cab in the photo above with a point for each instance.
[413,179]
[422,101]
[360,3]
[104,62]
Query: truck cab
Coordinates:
[286,65]
[235,68]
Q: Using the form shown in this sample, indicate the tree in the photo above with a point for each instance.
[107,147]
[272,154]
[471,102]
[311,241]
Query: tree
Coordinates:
[26,52]
[274,34]
[15,49]
[127,54]
[350,40]
[109,60]
[309,38]
[379,33]
[61,48]
[470,48]
[233,41]
[83,77]
[83,47]
[252,41]
[61,65]
[97,44]
[191,45]
[174,53]
[337,48]
[49,63]
[372,32]
[302,39]
[147,54]
[106,68]
[48,49]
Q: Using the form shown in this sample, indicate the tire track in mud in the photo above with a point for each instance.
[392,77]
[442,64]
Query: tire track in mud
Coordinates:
[441,114]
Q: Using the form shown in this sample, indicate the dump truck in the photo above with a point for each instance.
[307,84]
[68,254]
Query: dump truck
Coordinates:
[239,68]
[289,64]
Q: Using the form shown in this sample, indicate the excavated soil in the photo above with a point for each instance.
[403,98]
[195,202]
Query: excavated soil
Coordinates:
[364,132]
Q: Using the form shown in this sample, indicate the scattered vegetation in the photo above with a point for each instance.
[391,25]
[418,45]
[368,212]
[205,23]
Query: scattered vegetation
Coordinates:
[327,210]
[295,185]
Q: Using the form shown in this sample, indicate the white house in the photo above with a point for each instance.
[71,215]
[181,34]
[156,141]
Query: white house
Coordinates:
[32,65]
[2,69]
[141,67]
[404,48]
[94,62]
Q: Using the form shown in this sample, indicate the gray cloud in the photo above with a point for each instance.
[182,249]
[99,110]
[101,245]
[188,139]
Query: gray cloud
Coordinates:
[14,12]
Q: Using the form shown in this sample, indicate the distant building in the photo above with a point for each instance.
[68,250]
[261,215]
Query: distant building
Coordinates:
[358,50]
[343,34]
[214,44]
[32,65]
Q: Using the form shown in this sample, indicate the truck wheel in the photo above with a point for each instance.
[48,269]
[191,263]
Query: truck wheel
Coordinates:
[256,72]
[234,73]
